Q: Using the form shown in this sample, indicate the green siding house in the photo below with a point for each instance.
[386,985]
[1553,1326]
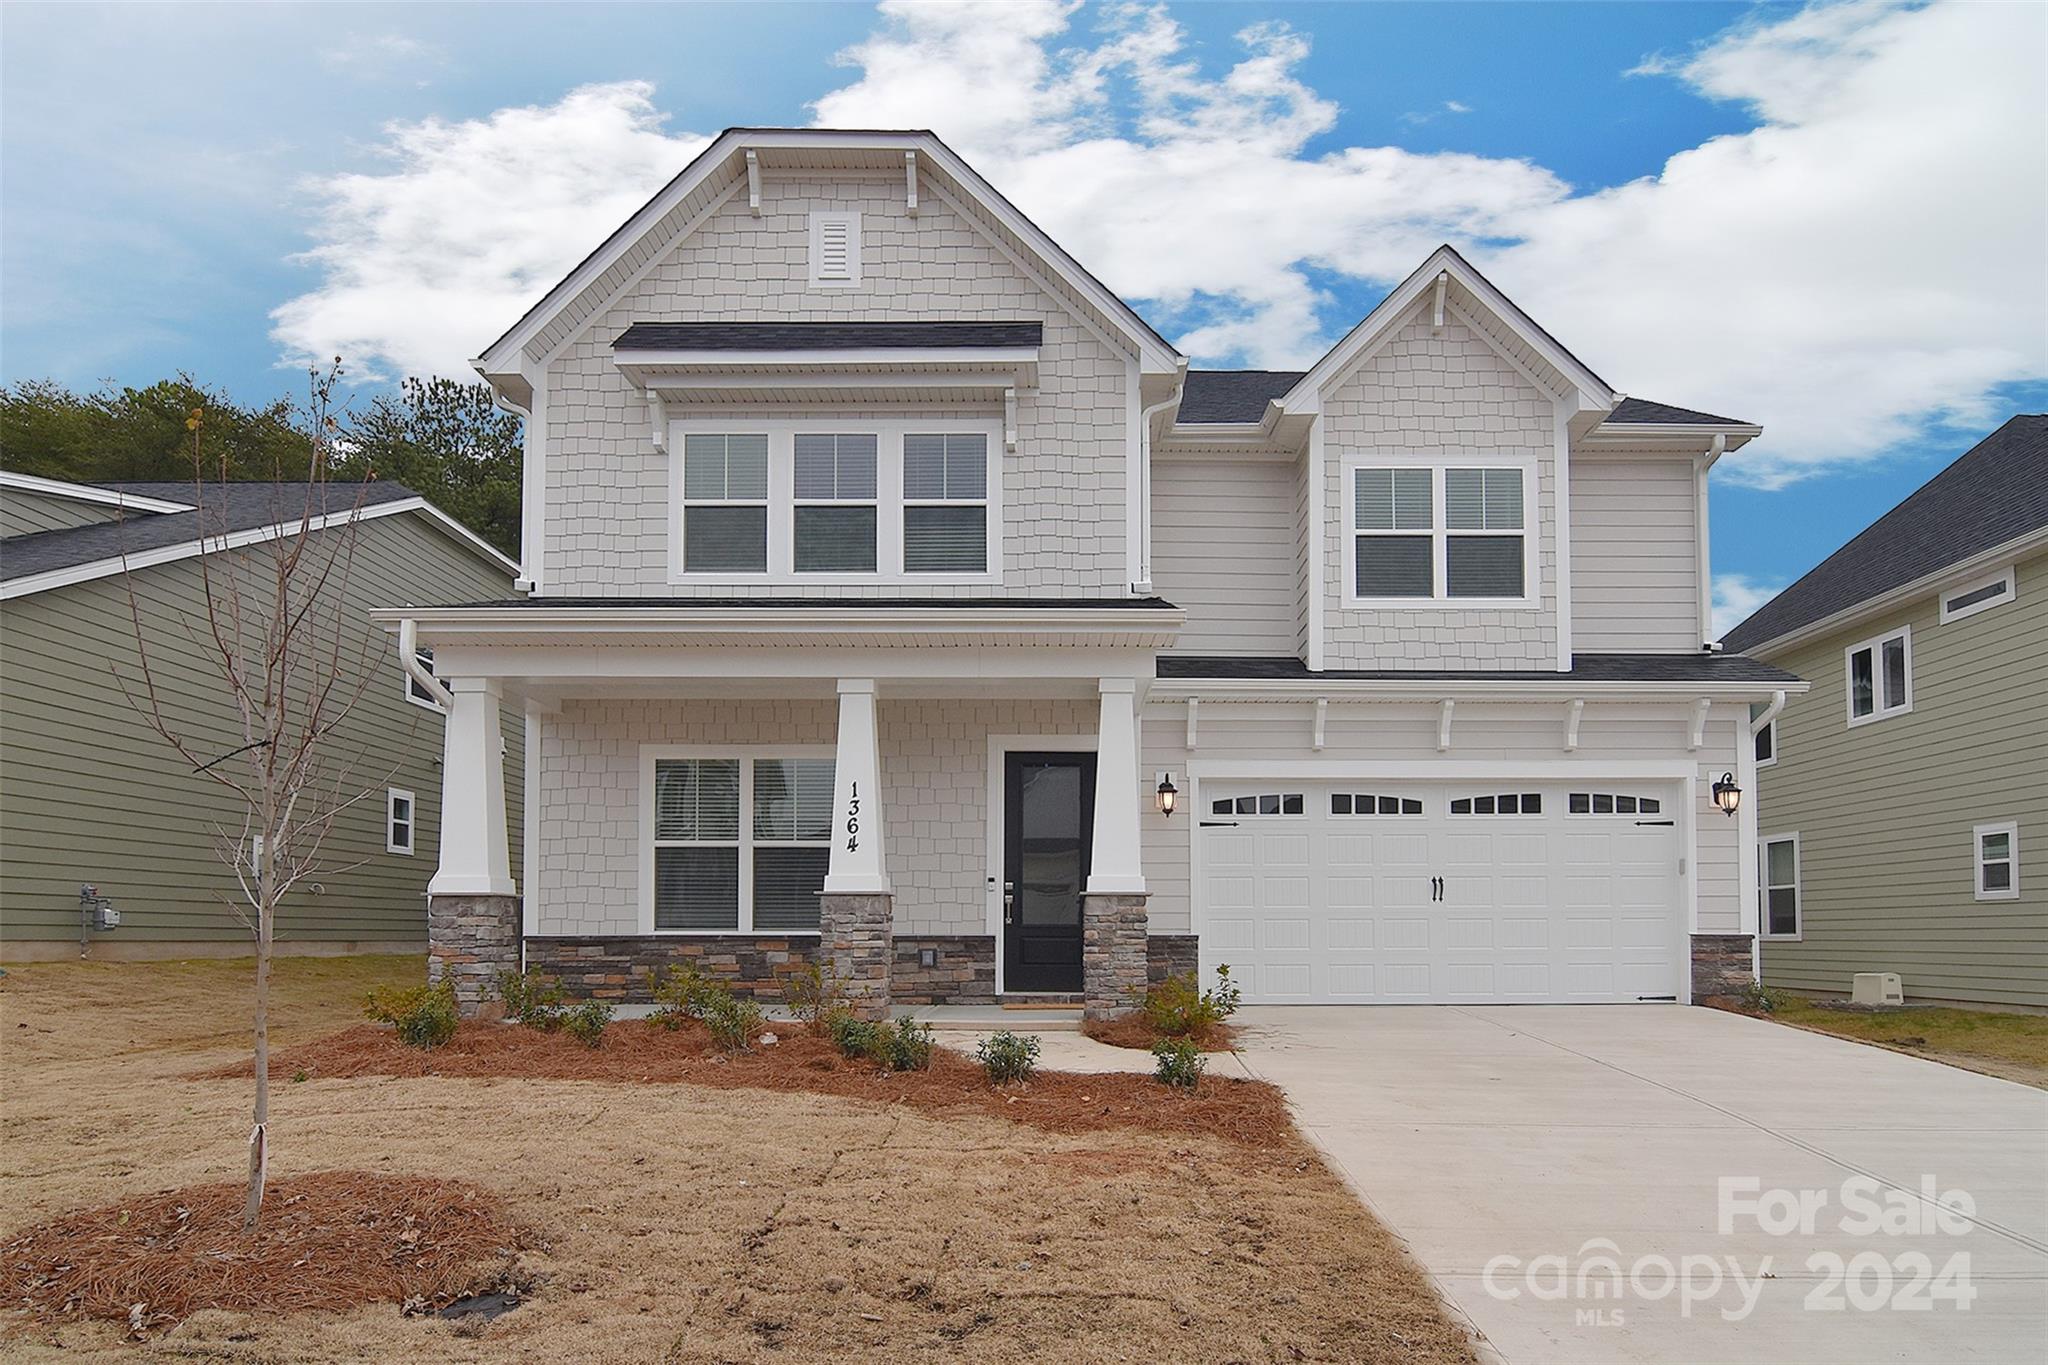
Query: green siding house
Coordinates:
[91,796]
[1903,801]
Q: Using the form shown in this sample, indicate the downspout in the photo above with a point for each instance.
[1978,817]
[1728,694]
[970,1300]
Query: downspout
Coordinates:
[1701,464]
[409,656]
[1145,415]
[1769,713]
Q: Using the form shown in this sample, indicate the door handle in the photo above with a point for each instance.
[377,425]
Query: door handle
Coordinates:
[1009,902]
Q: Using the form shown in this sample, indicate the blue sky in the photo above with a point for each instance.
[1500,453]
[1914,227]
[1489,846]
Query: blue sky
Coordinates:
[1674,189]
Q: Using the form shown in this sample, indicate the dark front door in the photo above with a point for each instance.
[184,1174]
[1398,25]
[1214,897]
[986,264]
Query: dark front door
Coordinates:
[1049,818]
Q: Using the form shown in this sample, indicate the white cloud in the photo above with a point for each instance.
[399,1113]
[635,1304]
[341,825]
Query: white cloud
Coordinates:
[1736,598]
[1866,261]
[423,264]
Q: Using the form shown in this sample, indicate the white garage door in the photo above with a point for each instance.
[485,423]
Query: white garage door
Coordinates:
[1384,893]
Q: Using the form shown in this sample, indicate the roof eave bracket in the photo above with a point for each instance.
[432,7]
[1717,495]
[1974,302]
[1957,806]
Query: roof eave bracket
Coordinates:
[753,183]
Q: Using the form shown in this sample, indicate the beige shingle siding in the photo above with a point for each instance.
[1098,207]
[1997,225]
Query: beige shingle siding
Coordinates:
[23,512]
[1430,393]
[1401,733]
[934,791]
[1225,548]
[91,795]
[1884,811]
[1635,557]
[606,524]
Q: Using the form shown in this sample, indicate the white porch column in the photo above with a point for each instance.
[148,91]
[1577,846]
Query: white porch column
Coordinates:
[1115,867]
[857,867]
[475,852]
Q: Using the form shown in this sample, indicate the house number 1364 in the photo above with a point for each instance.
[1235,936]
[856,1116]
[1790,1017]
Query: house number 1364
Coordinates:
[853,818]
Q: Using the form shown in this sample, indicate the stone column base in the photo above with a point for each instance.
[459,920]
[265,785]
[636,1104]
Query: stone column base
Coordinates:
[1720,965]
[854,940]
[470,939]
[1113,954]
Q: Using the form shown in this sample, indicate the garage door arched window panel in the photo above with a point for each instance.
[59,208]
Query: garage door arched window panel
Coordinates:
[1499,803]
[1267,803]
[1366,803]
[1612,803]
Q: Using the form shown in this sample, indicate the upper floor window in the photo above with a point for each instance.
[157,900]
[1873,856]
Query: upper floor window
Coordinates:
[1982,595]
[801,502]
[1880,675]
[1426,534]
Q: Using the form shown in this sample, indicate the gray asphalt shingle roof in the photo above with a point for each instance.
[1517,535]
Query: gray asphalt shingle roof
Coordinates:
[1211,396]
[228,508]
[824,336]
[1643,412]
[1995,492]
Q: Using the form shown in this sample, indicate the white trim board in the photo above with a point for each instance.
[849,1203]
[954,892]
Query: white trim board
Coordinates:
[255,535]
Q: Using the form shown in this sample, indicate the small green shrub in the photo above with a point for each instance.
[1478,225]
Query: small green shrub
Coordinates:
[813,993]
[1178,1007]
[425,1016]
[1758,998]
[1179,1063]
[586,1022]
[681,993]
[1005,1057]
[734,1021]
[532,999]
[853,1037]
[906,1046]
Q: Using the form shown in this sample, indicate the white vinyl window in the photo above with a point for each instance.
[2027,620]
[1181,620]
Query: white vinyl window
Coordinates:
[806,502]
[400,821]
[1880,677]
[737,842]
[835,250]
[414,692]
[1429,534]
[945,502]
[1997,857]
[1766,742]
[1778,886]
[836,507]
[1960,603]
[725,502]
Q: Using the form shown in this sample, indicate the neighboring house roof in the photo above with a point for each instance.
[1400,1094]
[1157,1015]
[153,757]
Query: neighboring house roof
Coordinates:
[1211,396]
[1593,668]
[1995,493]
[240,512]
[138,497]
[1643,412]
[825,336]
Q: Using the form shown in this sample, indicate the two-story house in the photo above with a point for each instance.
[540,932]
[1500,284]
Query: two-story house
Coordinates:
[1899,795]
[895,593]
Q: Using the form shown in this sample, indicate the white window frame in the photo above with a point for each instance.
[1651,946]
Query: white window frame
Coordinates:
[2011,830]
[798,501]
[392,796]
[1770,728]
[2005,576]
[1875,644]
[818,221]
[745,755]
[1764,885]
[412,687]
[890,502]
[1440,534]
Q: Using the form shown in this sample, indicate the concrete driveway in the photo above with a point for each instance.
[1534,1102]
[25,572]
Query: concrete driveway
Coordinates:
[1492,1138]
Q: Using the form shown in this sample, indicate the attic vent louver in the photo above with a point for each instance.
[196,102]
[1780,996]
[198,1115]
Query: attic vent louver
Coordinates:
[835,249]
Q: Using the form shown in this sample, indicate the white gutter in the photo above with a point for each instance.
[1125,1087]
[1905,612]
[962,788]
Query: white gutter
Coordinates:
[409,656]
[1770,713]
[1145,416]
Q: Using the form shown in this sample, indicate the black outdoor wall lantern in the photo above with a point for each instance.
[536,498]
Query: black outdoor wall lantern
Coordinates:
[1727,795]
[1169,795]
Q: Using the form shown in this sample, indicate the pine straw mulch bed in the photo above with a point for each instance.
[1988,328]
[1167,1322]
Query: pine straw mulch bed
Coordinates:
[1133,1030]
[640,1052]
[332,1240]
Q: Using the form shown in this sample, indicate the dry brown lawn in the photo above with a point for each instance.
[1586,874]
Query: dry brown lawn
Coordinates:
[683,1223]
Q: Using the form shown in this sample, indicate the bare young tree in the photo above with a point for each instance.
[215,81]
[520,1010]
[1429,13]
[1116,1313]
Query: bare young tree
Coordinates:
[291,662]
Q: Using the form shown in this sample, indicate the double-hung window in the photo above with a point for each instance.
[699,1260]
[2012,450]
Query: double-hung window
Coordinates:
[399,821]
[1880,677]
[835,524]
[1455,534]
[1778,885]
[739,842]
[1997,855]
[725,503]
[945,502]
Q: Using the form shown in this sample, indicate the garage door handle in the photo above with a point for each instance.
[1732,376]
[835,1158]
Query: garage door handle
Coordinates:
[1219,824]
[1656,822]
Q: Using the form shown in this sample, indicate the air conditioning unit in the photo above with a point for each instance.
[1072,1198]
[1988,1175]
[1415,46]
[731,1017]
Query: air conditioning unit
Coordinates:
[1876,988]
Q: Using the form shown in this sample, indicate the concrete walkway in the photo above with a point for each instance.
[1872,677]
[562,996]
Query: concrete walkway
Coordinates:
[1490,1137]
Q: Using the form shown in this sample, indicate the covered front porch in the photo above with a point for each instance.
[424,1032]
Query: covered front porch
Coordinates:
[942,803]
